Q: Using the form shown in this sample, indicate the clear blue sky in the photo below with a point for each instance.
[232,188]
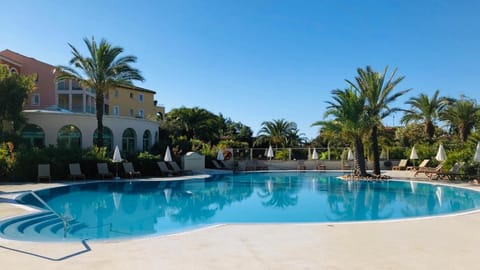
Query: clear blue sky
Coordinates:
[256,61]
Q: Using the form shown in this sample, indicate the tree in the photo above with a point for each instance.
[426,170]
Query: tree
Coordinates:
[14,90]
[462,115]
[379,93]
[425,110]
[350,120]
[195,123]
[276,132]
[103,69]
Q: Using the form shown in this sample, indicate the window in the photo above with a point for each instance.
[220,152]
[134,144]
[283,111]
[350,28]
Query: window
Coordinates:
[140,113]
[107,138]
[147,137]
[115,93]
[33,135]
[131,95]
[69,136]
[140,98]
[131,112]
[13,70]
[129,140]
[116,110]
[76,85]
[35,99]
[61,85]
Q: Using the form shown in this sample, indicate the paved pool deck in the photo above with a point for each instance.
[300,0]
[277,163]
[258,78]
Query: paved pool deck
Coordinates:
[449,242]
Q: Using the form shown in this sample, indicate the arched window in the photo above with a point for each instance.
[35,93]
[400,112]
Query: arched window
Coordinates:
[33,135]
[107,138]
[147,138]
[129,140]
[69,136]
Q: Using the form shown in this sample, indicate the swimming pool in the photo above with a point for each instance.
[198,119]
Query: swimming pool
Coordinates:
[123,209]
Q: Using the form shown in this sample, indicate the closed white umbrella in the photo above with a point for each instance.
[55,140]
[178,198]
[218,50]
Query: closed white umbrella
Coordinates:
[117,158]
[220,155]
[350,155]
[314,154]
[476,158]
[168,155]
[441,155]
[413,155]
[270,152]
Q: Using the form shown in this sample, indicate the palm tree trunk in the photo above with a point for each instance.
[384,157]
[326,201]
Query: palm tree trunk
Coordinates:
[376,155]
[359,166]
[99,108]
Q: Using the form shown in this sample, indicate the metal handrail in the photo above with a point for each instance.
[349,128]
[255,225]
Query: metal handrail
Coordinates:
[64,219]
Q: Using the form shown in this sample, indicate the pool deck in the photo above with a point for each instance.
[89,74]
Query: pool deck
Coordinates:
[450,242]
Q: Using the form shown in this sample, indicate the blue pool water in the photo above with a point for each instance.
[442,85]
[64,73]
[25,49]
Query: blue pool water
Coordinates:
[118,209]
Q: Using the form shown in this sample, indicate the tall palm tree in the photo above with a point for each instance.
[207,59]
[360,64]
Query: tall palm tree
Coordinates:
[379,93]
[425,110]
[276,132]
[102,69]
[350,120]
[462,116]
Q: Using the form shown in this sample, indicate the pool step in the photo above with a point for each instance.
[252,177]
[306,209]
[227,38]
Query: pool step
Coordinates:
[44,225]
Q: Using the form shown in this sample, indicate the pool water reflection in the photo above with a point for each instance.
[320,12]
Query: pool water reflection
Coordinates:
[105,210]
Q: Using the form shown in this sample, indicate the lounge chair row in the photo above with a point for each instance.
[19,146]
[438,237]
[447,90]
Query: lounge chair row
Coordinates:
[75,172]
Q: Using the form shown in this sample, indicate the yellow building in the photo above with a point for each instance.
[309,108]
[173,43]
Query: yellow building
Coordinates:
[64,113]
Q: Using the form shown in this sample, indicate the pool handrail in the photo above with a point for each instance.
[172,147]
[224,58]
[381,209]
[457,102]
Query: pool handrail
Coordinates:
[65,219]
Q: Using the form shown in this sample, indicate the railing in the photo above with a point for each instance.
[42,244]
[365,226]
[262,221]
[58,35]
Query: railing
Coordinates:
[66,220]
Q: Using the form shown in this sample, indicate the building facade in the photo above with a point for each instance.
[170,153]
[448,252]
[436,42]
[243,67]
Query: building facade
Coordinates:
[63,113]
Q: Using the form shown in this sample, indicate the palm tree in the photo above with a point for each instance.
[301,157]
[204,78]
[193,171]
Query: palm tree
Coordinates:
[462,116]
[379,93]
[276,132]
[101,70]
[425,110]
[350,120]
[195,123]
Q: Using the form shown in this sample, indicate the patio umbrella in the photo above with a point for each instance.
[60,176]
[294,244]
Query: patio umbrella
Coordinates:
[413,155]
[350,154]
[314,154]
[476,158]
[270,152]
[220,155]
[441,155]
[168,155]
[117,158]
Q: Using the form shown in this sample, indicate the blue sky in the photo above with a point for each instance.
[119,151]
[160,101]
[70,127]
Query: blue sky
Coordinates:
[256,61]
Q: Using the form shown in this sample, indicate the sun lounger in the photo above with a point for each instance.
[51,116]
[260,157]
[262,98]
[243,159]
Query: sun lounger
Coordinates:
[103,170]
[320,167]
[44,172]
[226,165]
[164,170]
[217,165]
[402,165]
[301,165]
[430,171]
[75,171]
[422,165]
[453,173]
[179,170]
[129,170]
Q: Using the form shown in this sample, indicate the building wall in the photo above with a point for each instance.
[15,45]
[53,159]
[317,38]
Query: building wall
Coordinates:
[51,122]
[84,119]
[45,86]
